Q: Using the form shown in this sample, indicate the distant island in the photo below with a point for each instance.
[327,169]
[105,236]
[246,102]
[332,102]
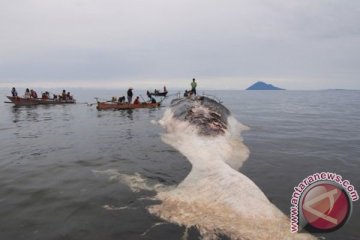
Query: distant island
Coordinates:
[263,86]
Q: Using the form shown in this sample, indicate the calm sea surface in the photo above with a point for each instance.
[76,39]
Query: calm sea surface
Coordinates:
[51,157]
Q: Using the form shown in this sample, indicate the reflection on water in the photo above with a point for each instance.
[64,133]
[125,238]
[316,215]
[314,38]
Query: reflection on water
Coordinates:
[16,113]
[31,113]
[128,113]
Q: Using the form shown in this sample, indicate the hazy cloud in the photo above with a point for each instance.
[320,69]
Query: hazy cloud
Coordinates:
[225,44]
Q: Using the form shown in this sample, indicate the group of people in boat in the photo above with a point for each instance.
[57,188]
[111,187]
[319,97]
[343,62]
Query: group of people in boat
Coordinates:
[32,94]
[29,93]
[158,93]
[130,95]
[63,96]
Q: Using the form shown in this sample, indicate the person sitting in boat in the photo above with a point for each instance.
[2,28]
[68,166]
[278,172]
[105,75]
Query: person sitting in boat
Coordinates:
[69,97]
[55,97]
[121,99]
[148,94]
[63,94]
[156,91]
[27,93]
[45,95]
[14,92]
[152,99]
[137,100]
[33,94]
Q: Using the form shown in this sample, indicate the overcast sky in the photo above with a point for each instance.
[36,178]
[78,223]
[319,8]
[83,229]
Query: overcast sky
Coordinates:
[226,44]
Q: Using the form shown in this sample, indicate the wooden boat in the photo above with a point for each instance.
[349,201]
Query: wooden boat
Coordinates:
[159,94]
[19,101]
[125,106]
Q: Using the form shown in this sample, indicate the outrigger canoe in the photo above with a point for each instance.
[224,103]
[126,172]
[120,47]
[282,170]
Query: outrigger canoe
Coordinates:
[19,101]
[125,106]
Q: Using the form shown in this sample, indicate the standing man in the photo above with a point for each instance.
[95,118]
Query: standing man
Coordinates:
[129,95]
[14,92]
[193,87]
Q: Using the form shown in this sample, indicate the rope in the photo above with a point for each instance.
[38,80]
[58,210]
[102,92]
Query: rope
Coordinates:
[142,98]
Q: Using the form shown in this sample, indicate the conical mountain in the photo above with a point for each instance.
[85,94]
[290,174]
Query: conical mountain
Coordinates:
[263,86]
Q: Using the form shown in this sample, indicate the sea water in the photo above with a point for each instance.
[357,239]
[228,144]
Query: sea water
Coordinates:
[72,172]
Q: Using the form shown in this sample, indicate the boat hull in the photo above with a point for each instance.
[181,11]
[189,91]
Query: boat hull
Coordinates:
[19,101]
[159,94]
[124,106]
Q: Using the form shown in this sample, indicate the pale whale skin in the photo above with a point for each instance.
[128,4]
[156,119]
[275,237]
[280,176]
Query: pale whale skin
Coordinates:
[216,197]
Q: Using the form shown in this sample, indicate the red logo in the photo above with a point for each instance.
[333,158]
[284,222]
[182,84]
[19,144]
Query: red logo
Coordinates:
[325,206]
